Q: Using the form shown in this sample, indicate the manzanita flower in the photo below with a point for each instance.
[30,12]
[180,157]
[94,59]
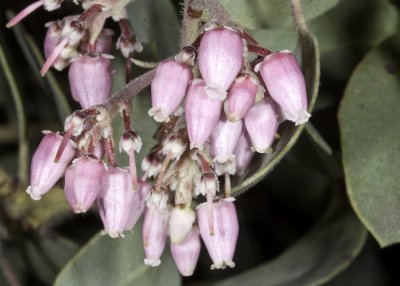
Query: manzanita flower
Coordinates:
[285,83]
[220,59]
[243,153]
[180,223]
[83,182]
[202,114]
[168,88]
[139,204]
[261,124]
[220,237]
[90,80]
[186,253]
[224,139]
[241,97]
[45,171]
[155,227]
[115,201]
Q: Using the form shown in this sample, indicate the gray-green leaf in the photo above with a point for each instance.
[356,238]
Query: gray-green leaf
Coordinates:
[256,14]
[321,254]
[105,261]
[370,133]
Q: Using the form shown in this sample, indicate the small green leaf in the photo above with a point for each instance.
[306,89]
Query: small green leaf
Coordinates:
[107,261]
[256,14]
[370,132]
[288,132]
[321,254]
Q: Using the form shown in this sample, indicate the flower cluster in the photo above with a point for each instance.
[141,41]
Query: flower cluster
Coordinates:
[217,103]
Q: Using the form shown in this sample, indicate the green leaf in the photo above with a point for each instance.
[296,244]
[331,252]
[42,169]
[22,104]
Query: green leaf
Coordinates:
[107,261]
[349,30]
[156,22]
[288,132]
[276,39]
[370,132]
[256,14]
[316,258]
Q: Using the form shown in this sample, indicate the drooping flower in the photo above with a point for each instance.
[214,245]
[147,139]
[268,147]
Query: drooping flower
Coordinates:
[45,171]
[261,124]
[202,114]
[186,253]
[83,182]
[220,60]
[168,88]
[90,80]
[286,85]
[220,239]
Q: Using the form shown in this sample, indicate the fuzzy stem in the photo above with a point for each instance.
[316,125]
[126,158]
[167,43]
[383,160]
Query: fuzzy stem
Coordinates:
[162,171]
[109,148]
[190,24]
[129,91]
[299,16]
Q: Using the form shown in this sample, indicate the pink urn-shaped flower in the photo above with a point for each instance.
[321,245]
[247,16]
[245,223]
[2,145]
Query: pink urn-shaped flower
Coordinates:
[168,88]
[139,204]
[115,201]
[224,139]
[45,172]
[155,227]
[286,85]
[186,253]
[220,60]
[90,80]
[83,182]
[261,124]
[221,233]
[243,153]
[180,223]
[241,97]
[202,114]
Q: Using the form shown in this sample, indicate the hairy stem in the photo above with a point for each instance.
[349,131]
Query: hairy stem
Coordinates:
[299,16]
[218,13]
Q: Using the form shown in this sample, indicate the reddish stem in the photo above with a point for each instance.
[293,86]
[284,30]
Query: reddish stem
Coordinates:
[63,143]
[92,11]
[109,148]
[259,50]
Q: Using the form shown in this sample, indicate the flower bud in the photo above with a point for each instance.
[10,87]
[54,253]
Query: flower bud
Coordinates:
[261,124]
[202,114]
[241,97]
[180,223]
[83,182]
[45,172]
[186,253]
[174,146]
[129,141]
[243,154]
[221,243]
[151,164]
[128,45]
[155,228]
[220,60]
[286,85]
[90,80]
[224,139]
[115,201]
[168,88]
[208,185]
